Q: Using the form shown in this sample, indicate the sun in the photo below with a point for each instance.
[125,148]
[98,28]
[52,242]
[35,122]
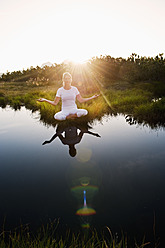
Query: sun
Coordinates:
[75,42]
[79,60]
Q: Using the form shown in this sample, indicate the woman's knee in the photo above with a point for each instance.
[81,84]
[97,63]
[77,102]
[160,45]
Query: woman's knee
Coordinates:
[59,116]
[82,112]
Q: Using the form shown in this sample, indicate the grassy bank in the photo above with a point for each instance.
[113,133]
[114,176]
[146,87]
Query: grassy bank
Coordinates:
[145,102]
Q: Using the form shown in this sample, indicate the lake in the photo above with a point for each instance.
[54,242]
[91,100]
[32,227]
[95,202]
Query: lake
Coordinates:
[106,173]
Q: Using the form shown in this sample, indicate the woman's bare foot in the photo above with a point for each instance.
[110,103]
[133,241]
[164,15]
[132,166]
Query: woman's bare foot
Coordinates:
[72,116]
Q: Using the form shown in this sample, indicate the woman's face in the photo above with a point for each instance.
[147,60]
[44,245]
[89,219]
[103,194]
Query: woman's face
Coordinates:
[67,79]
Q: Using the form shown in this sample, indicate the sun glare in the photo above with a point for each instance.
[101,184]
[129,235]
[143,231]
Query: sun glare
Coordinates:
[75,39]
[77,31]
[78,59]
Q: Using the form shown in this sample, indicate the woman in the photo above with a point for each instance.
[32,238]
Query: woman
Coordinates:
[68,95]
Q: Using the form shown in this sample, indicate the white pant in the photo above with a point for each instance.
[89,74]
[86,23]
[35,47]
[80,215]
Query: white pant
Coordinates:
[64,113]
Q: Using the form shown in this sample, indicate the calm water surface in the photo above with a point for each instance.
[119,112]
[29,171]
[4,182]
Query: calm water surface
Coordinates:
[115,180]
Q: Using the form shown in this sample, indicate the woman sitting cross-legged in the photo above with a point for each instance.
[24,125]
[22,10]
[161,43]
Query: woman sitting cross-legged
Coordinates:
[68,95]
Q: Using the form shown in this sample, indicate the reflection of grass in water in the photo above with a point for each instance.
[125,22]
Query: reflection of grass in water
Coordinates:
[49,237]
[140,104]
[152,113]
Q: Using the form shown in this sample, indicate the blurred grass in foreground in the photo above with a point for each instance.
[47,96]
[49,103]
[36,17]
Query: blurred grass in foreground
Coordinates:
[49,237]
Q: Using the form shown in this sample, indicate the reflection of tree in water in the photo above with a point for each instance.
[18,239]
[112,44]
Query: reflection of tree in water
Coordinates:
[71,134]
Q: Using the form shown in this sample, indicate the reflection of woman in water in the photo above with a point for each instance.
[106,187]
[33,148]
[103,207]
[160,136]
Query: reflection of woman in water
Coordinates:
[71,136]
[68,95]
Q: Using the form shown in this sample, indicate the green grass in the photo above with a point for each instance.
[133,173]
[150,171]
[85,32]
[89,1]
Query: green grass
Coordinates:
[145,102]
[152,113]
[120,97]
[127,100]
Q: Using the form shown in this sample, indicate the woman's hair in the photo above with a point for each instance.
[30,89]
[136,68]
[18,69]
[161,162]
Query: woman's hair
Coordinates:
[67,74]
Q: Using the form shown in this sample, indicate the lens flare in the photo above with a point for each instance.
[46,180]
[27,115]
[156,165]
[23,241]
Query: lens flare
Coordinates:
[84,181]
[84,155]
[87,225]
[90,189]
[85,211]
[80,188]
[85,201]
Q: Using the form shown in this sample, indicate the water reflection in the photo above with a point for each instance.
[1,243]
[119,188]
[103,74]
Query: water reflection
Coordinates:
[71,134]
[130,120]
[120,176]
[84,187]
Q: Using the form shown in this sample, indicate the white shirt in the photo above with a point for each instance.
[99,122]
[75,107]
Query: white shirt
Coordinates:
[68,97]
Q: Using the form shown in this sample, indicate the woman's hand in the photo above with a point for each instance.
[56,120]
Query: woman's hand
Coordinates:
[41,100]
[95,96]
[54,103]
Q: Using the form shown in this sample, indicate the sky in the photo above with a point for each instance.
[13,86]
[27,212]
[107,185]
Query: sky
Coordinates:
[34,32]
